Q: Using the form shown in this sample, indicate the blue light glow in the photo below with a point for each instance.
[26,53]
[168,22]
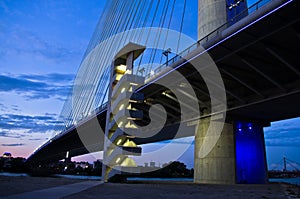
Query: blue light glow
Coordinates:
[250,154]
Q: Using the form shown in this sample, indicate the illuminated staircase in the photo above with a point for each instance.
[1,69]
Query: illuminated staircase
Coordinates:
[121,114]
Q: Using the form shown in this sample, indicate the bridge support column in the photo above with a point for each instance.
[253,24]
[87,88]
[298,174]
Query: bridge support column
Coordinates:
[217,166]
[238,155]
[211,15]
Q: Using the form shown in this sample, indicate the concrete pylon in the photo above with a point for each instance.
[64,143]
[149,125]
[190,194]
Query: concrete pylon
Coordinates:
[217,166]
[118,146]
[211,15]
[238,155]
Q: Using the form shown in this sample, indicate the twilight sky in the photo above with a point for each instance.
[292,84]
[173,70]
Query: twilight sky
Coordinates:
[41,45]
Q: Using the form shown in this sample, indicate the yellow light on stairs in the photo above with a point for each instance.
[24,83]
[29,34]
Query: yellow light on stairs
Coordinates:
[119,141]
[118,160]
[121,107]
[121,68]
[129,143]
[120,124]
[119,76]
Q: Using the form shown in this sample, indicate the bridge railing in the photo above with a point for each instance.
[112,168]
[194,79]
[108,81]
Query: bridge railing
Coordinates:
[210,36]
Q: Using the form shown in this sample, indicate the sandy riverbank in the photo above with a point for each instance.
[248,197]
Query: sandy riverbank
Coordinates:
[150,190]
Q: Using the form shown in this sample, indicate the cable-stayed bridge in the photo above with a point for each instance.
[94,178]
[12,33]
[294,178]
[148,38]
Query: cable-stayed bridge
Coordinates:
[242,74]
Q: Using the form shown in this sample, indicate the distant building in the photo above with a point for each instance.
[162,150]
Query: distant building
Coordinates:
[7,160]
[83,165]
[97,164]
[152,164]
[7,155]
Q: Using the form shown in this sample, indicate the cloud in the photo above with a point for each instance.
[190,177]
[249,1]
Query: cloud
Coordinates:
[18,144]
[50,114]
[35,139]
[53,77]
[283,133]
[6,133]
[2,106]
[37,86]
[20,41]
[9,123]
[32,86]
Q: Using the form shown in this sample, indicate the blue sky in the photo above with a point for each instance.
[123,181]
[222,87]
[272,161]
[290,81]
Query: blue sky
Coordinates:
[42,44]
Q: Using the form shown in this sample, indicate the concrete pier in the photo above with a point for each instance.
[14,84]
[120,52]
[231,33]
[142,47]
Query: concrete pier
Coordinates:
[218,166]
[236,155]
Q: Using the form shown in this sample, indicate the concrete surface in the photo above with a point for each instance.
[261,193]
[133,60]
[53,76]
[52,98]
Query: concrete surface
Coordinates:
[31,187]
[181,191]
[17,185]
[56,192]
[214,161]
[211,15]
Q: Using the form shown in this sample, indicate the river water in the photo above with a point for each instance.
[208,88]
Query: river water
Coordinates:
[163,179]
[295,181]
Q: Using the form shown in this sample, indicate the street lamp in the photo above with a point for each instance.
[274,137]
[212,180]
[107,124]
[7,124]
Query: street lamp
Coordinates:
[235,4]
[166,53]
[142,70]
